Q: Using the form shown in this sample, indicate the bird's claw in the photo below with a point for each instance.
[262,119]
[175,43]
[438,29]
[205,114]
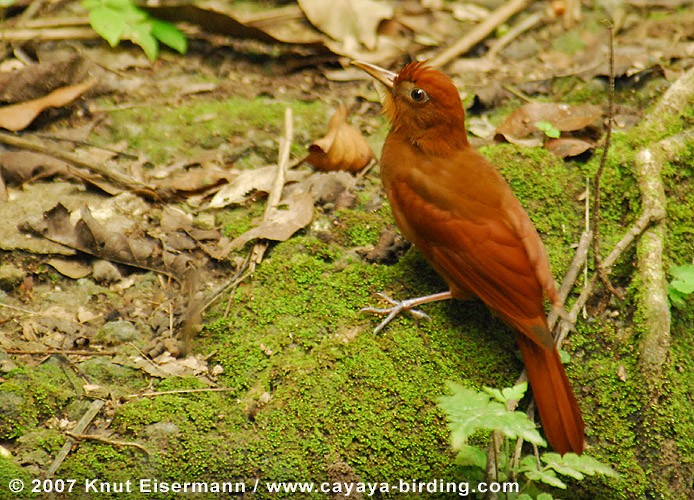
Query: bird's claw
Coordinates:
[398,306]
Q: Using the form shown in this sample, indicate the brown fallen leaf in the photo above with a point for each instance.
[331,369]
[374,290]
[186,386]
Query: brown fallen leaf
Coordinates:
[522,122]
[70,268]
[564,147]
[19,116]
[342,148]
[32,81]
[248,181]
[348,21]
[291,215]
[95,238]
[18,167]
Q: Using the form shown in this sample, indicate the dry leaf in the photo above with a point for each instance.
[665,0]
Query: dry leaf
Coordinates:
[292,214]
[95,238]
[19,116]
[325,187]
[70,268]
[32,81]
[248,181]
[343,148]
[348,21]
[17,167]
[564,147]
[522,122]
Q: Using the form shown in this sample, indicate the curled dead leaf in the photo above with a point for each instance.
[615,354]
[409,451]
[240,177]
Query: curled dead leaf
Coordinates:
[342,148]
[248,181]
[564,117]
[19,116]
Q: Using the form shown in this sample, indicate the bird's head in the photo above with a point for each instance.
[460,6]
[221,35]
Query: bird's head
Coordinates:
[419,100]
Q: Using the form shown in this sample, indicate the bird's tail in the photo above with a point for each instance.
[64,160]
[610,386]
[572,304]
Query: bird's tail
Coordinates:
[556,402]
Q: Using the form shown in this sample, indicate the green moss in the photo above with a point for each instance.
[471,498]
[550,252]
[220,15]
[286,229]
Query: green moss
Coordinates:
[165,133]
[31,396]
[238,220]
[358,228]
[9,470]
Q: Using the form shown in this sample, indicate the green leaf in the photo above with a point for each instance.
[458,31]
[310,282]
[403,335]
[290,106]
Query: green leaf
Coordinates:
[514,393]
[108,23]
[549,129]
[576,466]
[469,411]
[471,456]
[528,466]
[544,496]
[564,356]
[141,34]
[678,299]
[169,35]
[681,285]
[6,3]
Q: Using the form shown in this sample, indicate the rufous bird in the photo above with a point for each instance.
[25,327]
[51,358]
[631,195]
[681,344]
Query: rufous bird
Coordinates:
[455,206]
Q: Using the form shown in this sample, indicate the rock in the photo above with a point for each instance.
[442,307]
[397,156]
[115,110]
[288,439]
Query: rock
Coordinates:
[10,276]
[116,333]
[106,272]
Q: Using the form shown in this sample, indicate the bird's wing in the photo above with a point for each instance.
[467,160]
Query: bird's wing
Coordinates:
[480,239]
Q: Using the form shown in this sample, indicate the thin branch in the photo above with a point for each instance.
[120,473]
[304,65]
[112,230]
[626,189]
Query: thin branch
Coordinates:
[578,263]
[113,442]
[479,32]
[117,178]
[48,34]
[515,31]
[598,175]
[48,352]
[81,426]
[180,391]
[257,252]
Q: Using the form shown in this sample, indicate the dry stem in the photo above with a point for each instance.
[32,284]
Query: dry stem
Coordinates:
[479,32]
[81,426]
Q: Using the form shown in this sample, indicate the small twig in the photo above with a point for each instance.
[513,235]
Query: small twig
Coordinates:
[578,263]
[113,176]
[181,391]
[87,144]
[515,31]
[598,175]
[101,439]
[479,32]
[492,470]
[48,352]
[256,254]
[520,95]
[81,426]
[19,309]
[48,34]
[56,22]
[367,169]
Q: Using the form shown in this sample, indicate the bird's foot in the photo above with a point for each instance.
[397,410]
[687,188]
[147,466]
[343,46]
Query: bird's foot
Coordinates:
[398,306]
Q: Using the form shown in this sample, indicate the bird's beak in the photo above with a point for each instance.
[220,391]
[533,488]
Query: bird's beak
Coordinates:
[382,75]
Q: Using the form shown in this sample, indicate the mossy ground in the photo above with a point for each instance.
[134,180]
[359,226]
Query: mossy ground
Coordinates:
[312,386]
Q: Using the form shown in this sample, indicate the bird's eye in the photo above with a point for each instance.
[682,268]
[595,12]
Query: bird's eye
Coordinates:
[418,95]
